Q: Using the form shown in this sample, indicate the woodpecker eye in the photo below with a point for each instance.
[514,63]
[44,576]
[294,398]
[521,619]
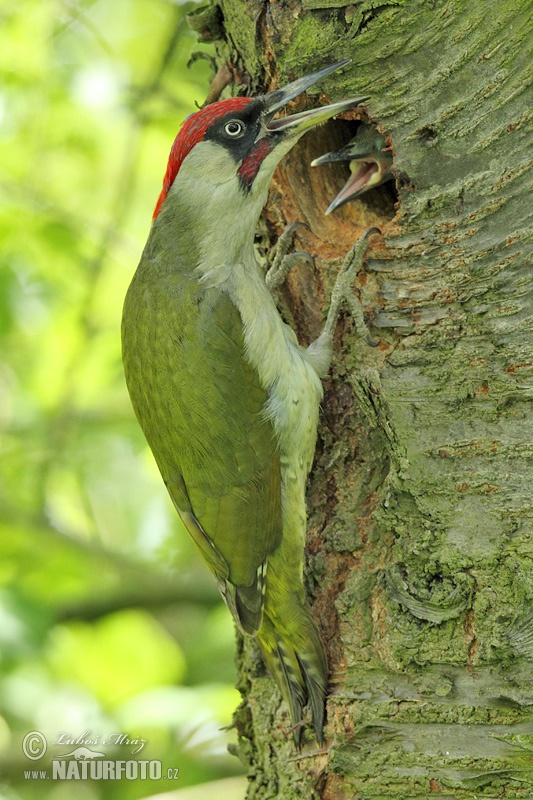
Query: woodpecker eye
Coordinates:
[234,128]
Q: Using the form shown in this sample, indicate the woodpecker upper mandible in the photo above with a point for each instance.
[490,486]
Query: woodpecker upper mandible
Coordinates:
[370,164]
[227,398]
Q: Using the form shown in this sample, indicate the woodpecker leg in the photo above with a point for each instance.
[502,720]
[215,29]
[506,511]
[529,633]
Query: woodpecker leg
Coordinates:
[283,261]
[342,291]
[320,350]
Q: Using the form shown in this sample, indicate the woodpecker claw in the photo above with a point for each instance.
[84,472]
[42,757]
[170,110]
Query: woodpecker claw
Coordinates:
[319,352]
[283,260]
[342,290]
[299,255]
[294,227]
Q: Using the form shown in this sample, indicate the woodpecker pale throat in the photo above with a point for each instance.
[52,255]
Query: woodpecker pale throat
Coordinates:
[227,398]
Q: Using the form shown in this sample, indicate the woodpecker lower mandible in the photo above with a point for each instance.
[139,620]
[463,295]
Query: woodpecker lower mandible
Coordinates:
[227,398]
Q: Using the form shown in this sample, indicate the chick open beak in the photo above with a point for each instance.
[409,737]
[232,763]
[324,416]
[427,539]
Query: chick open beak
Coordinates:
[369,166]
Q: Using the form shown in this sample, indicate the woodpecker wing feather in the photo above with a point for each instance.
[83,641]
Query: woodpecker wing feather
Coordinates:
[202,409]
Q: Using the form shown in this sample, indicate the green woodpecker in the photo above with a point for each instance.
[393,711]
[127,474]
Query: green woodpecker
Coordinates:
[370,164]
[227,398]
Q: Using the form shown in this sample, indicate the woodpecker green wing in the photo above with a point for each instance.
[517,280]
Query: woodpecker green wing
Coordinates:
[201,406]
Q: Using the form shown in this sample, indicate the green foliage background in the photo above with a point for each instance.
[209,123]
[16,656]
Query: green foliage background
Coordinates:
[109,623]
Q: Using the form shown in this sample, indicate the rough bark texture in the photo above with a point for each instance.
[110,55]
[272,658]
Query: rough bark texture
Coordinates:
[420,503]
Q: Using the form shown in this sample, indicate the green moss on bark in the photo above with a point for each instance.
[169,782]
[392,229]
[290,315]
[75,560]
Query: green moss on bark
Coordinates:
[420,501]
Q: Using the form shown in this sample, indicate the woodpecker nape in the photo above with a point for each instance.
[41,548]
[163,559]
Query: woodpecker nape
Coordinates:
[370,164]
[227,398]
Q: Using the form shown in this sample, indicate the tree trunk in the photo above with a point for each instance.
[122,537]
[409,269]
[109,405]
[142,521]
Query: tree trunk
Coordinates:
[420,502]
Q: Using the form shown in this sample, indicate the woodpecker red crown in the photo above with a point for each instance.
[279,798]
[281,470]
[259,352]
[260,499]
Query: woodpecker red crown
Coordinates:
[191,132]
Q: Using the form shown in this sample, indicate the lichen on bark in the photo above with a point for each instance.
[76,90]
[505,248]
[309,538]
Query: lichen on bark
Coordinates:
[420,503]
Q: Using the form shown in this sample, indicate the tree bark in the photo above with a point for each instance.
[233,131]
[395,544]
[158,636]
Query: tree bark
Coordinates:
[420,502]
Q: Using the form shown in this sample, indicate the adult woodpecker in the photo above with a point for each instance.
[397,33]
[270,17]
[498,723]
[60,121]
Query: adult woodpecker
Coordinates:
[227,398]
[370,164]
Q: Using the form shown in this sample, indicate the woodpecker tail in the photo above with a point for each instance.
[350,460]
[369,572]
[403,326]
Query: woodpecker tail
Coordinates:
[295,657]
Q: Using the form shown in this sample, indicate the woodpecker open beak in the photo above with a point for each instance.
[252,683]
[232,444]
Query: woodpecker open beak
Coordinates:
[297,124]
[370,164]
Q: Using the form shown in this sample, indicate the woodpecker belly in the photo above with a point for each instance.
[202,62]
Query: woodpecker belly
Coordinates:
[293,385]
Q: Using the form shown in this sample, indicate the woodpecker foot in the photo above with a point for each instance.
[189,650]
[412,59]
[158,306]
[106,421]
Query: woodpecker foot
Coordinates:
[343,292]
[319,352]
[283,260]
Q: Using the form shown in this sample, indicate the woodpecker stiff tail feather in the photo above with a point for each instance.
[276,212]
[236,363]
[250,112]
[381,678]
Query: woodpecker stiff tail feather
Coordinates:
[227,398]
[298,664]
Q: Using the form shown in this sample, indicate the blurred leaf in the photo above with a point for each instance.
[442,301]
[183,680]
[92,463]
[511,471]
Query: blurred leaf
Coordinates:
[23,626]
[104,605]
[117,657]
[226,789]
